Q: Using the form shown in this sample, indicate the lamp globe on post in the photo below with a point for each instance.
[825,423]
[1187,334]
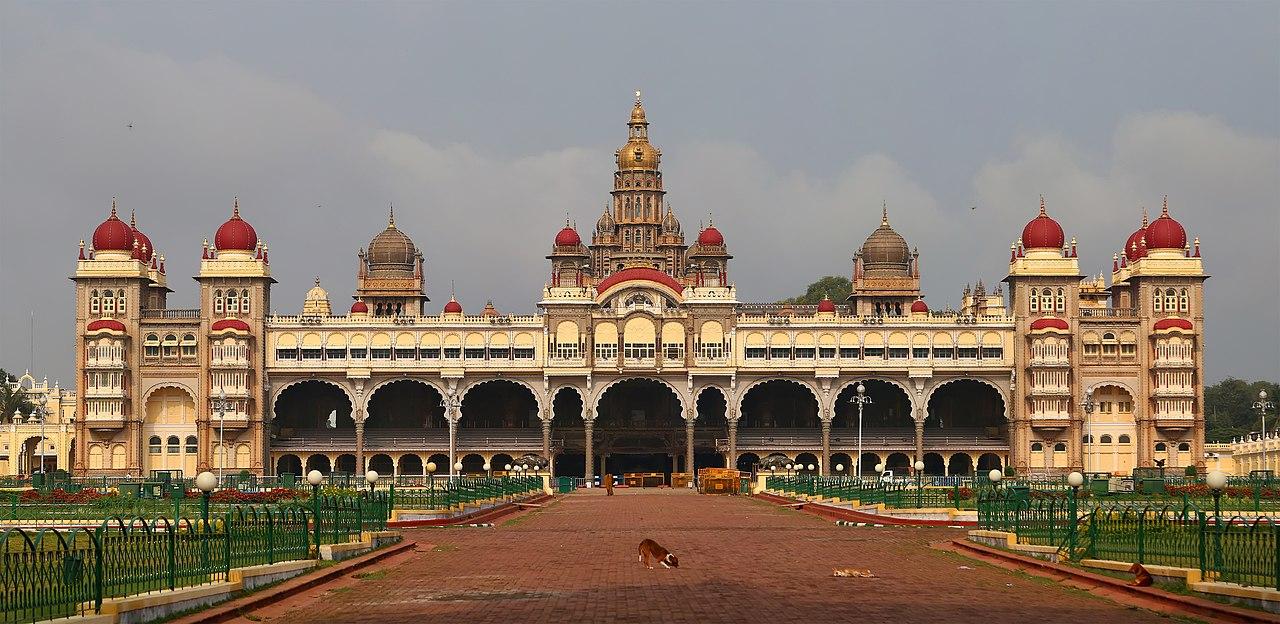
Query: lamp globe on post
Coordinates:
[457,468]
[995,476]
[206,482]
[315,479]
[1075,480]
[487,467]
[839,467]
[507,467]
[431,480]
[1217,481]
[371,478]
[919,466]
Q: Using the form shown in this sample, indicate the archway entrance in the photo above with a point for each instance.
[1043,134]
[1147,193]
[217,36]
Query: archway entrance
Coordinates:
[711,425]
[638,428]
[499,414]
[567,433]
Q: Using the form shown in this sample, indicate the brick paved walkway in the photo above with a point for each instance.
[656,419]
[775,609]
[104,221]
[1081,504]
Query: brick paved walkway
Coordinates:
[742,560]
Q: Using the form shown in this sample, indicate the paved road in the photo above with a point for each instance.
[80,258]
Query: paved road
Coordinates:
[742,560]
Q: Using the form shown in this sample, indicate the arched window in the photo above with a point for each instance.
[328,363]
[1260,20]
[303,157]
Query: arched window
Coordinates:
[151,346]
[1037,447]
[1125,439]
[244,301]
[1060,447]
[1106,439]
[1109,345]
[1155,301]
[169,347]
[217,302]
[1161,447]
[1184,301]
[120,307]
[188,345]
[1046,300]
[1184,446]
[153,445]
[233,304]
[192,447]
[1062,300]
[95,304]
[108,303]
[1086,439]
[173,445]
[1035,301]
[1170,300]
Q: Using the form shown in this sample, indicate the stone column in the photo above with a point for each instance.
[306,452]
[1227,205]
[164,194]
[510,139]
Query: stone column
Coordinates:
[453,445]
[359,442]
[688,446]
[587,426]
[733,444]
[825,469]
[546,441]
[919,441]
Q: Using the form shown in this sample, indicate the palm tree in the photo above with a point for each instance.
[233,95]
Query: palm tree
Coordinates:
[12,399]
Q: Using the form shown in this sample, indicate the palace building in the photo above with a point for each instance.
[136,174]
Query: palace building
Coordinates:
[642,358]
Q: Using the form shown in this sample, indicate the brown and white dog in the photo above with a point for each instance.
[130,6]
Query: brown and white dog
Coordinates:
[651,551]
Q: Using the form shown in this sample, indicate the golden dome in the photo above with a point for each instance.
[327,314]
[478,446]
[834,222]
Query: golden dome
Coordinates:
[885,253]
[638,154]
[392,252]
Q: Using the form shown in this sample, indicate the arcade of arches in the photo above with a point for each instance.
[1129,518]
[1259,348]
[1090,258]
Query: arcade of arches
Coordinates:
[638,425]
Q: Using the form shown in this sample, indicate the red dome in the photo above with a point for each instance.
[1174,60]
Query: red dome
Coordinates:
[568,237]
[359,307]
[144,245]
[1165,232]
[105,325]
[1136,246]
[919,306]
[1043,232]
[711,237]
[230,324]
[236,233]
[1050,322]
[453,307]
[113,234]
[1173,323]
[826,305]
[639,273]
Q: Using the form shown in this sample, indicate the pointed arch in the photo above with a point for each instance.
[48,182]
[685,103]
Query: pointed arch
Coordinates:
[595,399]
[1004,396]
[537,396]
[742,396]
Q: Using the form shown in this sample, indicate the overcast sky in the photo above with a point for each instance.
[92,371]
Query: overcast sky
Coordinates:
[790,123]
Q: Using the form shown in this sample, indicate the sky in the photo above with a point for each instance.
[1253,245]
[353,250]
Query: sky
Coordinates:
[789,124]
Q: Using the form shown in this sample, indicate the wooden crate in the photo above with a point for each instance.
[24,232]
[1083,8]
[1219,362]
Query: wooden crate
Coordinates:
[718,485]
[680,479]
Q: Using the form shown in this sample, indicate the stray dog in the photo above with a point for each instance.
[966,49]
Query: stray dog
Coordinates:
[650,550]
[854,572]
[1141,578]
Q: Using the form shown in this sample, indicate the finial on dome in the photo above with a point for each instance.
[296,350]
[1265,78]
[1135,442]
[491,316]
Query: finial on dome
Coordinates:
[1164,211]
[637,97]
[884,212]
[1042,212]
[113,207]
[235,208]
[133,219]
[391,217]
[1144,217]
[317,280]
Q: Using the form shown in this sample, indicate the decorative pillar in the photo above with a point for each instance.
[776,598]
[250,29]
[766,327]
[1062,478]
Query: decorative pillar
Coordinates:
[826,448]
[546,441]
[733,444]
[359,441]
[453,445]
[688,446]
[919,440]
[588,425]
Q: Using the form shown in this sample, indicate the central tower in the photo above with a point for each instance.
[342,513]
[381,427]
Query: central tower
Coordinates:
[637,230]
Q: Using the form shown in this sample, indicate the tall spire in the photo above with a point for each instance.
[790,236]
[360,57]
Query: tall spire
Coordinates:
[391,217]
[1042,212]
[113,207]
[1164,212]
[884,212]
[235,210]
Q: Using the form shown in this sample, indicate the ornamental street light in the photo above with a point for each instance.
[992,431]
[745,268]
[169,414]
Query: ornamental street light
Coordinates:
[1217,481]
[1262,405]
[919,466]
[1075,480]
[221,405]
[315,478]
[431,479]
[1087,405]
[41,414]
[861,399]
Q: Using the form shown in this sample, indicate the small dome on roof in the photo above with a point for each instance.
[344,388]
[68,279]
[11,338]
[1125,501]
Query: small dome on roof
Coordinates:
[1043,232]
[236,233]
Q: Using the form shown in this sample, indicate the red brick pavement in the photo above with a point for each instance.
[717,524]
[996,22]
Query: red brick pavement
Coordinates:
[742,560]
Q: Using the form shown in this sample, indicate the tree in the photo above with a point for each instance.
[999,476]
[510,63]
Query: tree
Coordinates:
[12,398]
[1229,412]
[832,286]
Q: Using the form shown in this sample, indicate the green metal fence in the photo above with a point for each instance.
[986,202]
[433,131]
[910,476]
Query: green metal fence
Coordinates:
[443,493]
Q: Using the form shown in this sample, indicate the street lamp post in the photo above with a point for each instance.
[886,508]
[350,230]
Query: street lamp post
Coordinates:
[221,405]
[1262,405]
[1087,405]
[205,481]
[861,399]
[1075,480]
[1217,481]
[314,478]
[919,466]
[431,479]
[41,413]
